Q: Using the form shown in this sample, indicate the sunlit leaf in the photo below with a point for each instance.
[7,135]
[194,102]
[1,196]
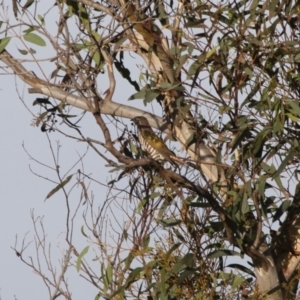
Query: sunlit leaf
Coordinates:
[3,43]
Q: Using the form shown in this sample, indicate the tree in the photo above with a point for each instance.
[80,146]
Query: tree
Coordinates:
[224,81]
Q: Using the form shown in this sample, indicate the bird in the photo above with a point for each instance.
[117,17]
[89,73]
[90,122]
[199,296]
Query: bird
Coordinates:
[152,143]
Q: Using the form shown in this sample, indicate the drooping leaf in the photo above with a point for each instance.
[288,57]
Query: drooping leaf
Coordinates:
[241,268]
[288,158]
[58,187]
[15,8]
[27,4]
[82,231]
[80,257]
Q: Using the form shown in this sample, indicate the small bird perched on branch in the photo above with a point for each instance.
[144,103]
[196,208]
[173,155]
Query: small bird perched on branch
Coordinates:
[151,143]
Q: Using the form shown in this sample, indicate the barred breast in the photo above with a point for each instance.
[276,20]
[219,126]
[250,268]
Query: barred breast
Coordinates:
[153,153]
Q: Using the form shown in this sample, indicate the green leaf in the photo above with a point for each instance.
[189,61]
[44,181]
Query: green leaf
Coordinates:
[223,252]
[80,257]
[97,58]
[161,13]
[134,275]
[241,137]
[80,46]
[281,210]
[41,18]
[34,39]
[162,284]
[295,107]
[214,280]
[280,185]
[173,248]
[27,4]
[154,195]
[184,275]
[242,268]
[292,117]
[176,50]
[139,95]
[188,260]
[284,163]
[211,52]
[214,245]
[98,296]
[23,52]
[82,231]
[108,276]
[178,267]
[194,68]
[258,144]
[262,183]
[245,206]
[15,8]
[58,187]
[150,96]
[169,223]
[238,280]
[146,241]
[129,260]
[179,235]
[32,51]
[3,43]
[216,227]
[195,24]
[278,126]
